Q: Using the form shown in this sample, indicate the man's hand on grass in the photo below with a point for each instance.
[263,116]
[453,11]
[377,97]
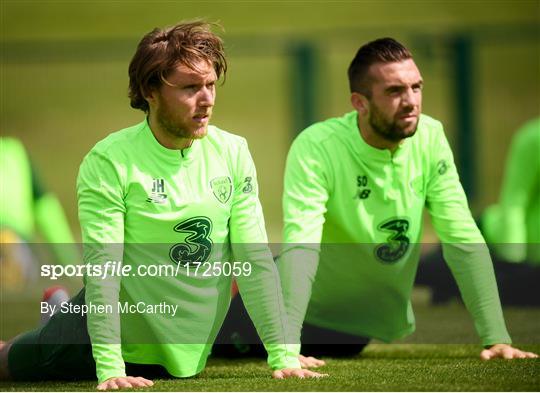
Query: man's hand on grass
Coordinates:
[310,362]
[296,373]
[505,351]
[124,382]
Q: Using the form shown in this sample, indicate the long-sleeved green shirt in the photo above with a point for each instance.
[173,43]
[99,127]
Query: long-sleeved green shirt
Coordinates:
[144,204]
[512,225]
[24,205]
[353,225]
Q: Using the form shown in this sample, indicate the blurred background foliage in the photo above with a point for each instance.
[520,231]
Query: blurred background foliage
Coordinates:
[63,75]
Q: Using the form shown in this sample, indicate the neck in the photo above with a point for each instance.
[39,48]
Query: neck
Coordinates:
[374,139]
[165,138]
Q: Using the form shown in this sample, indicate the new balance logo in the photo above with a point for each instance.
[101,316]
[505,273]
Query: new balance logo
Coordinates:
[158,192]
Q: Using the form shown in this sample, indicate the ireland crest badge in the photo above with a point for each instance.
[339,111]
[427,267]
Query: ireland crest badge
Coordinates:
[222,188]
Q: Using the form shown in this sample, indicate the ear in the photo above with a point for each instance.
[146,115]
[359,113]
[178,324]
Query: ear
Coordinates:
[150,96]
[360,103]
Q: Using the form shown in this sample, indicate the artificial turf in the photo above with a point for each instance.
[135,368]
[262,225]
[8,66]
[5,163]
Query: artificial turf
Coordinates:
[382,367]
[422,362]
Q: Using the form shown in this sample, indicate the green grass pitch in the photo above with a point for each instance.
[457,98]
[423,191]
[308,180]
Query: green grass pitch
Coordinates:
[421,362]
[397,367]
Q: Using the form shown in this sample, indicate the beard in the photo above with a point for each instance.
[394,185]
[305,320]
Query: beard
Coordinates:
[389,129]
[179,128]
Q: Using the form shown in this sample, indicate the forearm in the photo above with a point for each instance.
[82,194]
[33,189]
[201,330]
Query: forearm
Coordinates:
[104,328]
[262,296]
[473,270]
[297,268]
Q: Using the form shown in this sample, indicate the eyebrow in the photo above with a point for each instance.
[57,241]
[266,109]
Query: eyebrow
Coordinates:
[191,79]
[401,86]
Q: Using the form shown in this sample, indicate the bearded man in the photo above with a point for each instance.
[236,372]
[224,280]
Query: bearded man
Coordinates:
[171,194]
[354,194]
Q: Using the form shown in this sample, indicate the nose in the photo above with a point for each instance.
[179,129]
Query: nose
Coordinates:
[411,98]
[207,96]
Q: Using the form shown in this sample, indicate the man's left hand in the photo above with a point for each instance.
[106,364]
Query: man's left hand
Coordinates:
[505,351]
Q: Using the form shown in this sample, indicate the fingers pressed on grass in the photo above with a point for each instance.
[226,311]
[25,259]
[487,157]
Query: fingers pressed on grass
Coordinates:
[124,384]
[310,361]
[134,382]
[486,354]
[146,382]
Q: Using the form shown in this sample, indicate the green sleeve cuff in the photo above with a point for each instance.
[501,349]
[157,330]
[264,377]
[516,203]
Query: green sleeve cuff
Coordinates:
[489,341]
[109,362]
[282,356]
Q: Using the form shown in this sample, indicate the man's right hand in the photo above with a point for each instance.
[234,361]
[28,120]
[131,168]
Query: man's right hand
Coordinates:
[124,382]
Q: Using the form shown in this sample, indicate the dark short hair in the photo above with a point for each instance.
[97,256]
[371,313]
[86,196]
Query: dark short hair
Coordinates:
[162,50]
[382,50]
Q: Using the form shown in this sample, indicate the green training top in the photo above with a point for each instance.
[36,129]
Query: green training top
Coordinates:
[144,204]
[513,225]
[24,205]
[364,206]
